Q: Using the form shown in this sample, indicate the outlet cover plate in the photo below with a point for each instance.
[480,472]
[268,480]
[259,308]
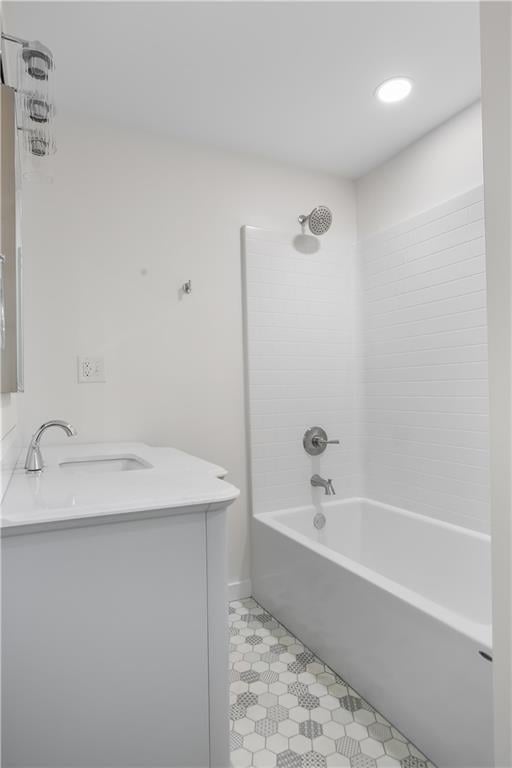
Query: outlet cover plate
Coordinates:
[91,370]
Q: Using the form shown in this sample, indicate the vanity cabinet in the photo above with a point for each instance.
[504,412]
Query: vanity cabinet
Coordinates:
[115,641]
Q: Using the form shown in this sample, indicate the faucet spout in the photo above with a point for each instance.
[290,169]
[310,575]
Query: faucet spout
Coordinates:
[34,461]
[319,482]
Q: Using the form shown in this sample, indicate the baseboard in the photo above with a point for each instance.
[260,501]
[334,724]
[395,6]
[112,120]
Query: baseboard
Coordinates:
[238,590]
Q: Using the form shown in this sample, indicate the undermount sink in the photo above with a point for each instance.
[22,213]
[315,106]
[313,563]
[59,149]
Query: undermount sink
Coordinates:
[97,464]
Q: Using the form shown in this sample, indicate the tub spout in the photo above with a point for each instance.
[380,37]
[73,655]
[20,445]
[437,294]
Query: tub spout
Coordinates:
[319,482]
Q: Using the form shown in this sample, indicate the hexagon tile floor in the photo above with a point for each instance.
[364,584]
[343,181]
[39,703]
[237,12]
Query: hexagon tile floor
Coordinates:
[290,710]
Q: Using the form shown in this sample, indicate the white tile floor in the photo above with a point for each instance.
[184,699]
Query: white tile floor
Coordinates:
[290,710]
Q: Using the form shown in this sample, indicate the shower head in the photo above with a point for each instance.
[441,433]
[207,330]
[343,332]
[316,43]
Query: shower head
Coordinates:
[319,220]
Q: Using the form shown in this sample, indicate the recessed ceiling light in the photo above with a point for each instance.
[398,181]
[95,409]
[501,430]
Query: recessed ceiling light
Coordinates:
[394,89]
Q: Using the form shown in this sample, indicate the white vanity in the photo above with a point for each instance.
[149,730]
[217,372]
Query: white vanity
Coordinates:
[114,610]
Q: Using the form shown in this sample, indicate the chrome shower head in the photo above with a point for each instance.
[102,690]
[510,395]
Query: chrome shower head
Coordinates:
[319,220]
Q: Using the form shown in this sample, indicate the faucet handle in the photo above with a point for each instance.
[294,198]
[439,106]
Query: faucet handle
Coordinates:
[322,441]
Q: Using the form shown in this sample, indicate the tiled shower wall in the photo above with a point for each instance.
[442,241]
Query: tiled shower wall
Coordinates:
[424,372]
[386,349]
[300,330]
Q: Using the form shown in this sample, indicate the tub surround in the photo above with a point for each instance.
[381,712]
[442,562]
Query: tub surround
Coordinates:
[425,404]
[301,364]
[169,480]
[373,594]
[114,592]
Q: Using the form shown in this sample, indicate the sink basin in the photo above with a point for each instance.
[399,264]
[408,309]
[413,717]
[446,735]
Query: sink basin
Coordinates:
[97,464]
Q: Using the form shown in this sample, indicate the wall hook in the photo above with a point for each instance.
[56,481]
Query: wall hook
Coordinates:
[187,287]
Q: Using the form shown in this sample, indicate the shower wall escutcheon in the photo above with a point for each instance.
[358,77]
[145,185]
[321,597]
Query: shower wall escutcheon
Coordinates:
[315,441]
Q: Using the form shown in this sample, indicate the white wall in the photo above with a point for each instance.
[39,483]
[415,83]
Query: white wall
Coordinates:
[442,164]
[107,246]
[127,220]
[496,37]
[301,333]
[7,413]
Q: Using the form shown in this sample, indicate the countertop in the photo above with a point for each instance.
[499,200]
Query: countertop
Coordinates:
[174,481]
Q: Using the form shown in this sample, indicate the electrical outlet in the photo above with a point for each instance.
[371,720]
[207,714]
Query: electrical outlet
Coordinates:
[91,370]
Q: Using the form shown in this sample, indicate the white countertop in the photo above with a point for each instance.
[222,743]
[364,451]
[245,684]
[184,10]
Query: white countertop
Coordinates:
[56,497]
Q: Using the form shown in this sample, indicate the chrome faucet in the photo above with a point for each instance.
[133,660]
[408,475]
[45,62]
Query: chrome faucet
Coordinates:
[319,482]
[34,461]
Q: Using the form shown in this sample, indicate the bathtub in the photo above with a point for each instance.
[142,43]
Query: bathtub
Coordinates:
[399,605]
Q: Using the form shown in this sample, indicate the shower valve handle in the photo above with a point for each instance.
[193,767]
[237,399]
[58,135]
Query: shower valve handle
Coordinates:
[320,441]
[315,441]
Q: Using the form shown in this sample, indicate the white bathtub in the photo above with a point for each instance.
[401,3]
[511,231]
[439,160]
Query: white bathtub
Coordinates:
[399,605]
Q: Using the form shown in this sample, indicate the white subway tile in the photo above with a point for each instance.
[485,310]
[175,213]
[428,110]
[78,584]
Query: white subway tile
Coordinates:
[424,368]
[392,361]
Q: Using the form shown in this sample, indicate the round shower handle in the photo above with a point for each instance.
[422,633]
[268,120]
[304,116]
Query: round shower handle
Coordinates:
[315,441]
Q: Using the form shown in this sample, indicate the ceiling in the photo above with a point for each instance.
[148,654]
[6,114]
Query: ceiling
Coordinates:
[292,81]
